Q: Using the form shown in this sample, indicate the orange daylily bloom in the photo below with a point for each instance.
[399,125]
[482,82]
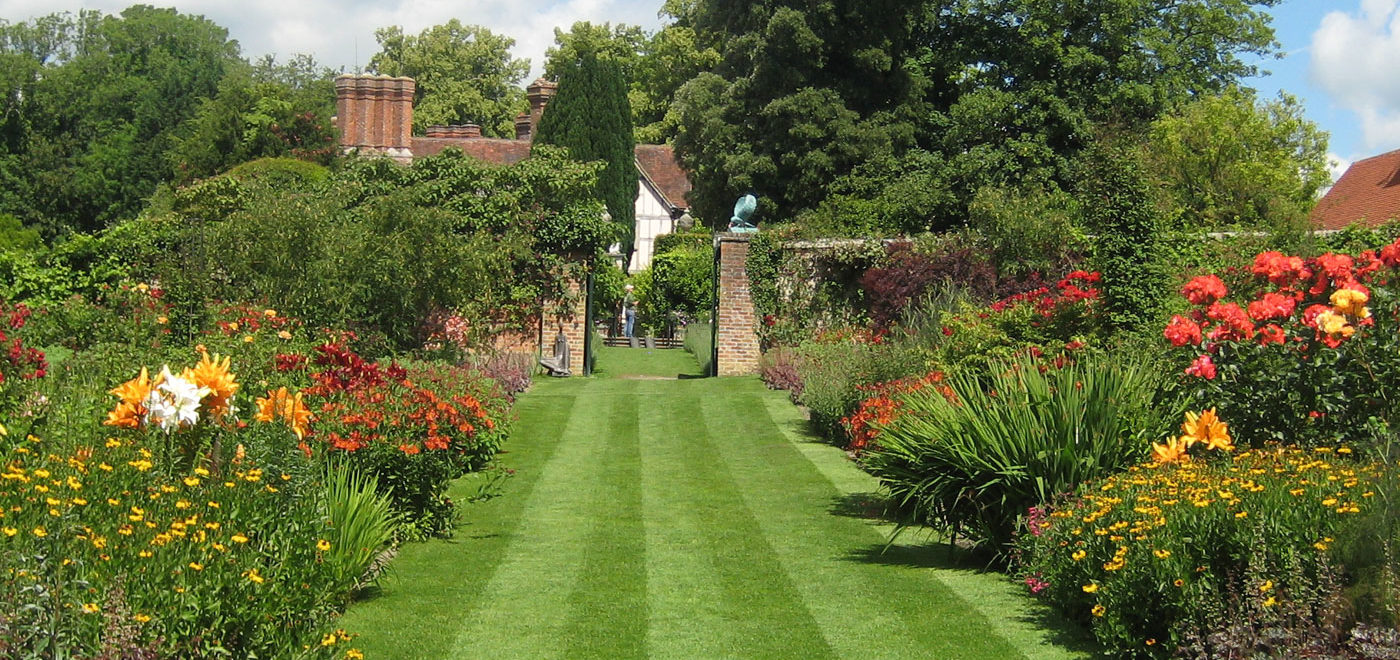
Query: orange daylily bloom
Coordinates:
[288,407]
[1172,451]
[214,374]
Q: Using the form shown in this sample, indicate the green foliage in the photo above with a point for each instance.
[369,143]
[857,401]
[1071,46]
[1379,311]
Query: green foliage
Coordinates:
[361,523]
[464,75]
[1028,231]
[1230,161]
[270,111]
[684,279]
[590,118]
[887,196]
[14,236]
[1127,247]
[1015,438]
[799,97]
[1003,94]
[94,104]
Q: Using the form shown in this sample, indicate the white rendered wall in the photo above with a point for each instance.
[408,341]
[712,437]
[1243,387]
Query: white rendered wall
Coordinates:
[653,219]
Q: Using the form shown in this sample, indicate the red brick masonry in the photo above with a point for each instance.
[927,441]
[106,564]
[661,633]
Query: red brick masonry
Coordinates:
[735,333]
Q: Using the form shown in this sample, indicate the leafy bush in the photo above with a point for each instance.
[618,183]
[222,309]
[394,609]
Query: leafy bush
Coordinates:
[779,371]
[1013,439]
[1163,554]
[415,430]
[1127,250]
[833,369]
[684,280]
[1309,355]
[908,275]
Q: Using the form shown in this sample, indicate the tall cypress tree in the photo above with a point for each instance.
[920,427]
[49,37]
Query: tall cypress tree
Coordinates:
[591,118]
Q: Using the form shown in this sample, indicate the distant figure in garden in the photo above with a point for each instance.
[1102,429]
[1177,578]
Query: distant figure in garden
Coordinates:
[629,311]
[558,364]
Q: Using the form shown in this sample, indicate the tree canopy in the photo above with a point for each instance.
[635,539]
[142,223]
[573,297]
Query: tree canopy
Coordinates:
[464,74]
[93,102]
[590,117]
[996,92]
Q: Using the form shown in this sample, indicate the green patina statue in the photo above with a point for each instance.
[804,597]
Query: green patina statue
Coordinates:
[743,210]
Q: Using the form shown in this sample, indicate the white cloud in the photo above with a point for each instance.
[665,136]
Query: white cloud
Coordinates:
[1353,59]
[1337,165]
[340,34]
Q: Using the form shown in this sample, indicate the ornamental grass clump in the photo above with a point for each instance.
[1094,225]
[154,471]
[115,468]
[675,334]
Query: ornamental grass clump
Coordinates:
[1149,558]
[975,462]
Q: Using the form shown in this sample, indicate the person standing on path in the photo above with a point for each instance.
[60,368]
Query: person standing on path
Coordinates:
[629,311]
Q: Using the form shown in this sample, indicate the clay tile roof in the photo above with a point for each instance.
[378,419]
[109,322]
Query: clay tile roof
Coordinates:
[490,150]
[659,166]
[1369,192]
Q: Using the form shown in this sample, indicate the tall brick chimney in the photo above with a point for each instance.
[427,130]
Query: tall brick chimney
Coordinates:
[375,115]
[538,93]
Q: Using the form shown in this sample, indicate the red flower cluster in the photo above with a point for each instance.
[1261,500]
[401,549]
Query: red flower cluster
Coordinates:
[882,407]
[1204,290]
[1331,290]
[19,361]
[364,402]
[1076,287]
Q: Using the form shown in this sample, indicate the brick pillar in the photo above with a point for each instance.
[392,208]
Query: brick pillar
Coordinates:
[375,115]
[573,318]
[735,337]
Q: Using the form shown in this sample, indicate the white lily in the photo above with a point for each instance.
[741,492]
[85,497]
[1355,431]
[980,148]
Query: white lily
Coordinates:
[175,402]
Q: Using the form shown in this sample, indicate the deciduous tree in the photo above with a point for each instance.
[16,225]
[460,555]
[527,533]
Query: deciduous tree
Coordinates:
[464,74]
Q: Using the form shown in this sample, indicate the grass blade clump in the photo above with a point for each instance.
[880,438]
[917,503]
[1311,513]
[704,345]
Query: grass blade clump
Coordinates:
[977,462]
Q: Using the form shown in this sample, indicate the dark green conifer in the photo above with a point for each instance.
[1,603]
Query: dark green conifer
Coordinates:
[591,118]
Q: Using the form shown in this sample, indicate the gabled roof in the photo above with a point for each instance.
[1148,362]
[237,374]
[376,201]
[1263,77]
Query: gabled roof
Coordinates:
[1369,193]
[658,166]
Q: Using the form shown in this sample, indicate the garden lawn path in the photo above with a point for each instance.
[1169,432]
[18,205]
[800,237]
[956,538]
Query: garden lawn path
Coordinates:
[690,518]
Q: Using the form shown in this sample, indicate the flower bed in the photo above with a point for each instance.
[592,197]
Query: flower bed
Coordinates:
[1157,557]
[226,503]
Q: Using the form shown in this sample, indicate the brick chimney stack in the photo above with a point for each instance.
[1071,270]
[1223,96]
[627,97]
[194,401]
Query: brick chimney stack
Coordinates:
[375,115]
[538,93]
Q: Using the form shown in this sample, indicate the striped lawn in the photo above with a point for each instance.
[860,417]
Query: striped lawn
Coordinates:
[684,519]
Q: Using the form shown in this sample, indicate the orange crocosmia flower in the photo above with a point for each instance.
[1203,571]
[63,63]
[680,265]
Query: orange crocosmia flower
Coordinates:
[409,449]
[214,374]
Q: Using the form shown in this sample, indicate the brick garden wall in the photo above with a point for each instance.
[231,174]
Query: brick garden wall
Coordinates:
[735,323]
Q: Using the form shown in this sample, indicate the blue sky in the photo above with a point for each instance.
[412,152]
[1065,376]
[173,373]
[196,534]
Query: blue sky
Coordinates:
[1339,55]
[1339,58]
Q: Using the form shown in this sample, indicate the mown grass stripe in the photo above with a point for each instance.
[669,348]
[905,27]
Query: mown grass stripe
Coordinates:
[834,560]
[716,590]
[430,586]
[1030,626]
[524,610]
[609,602]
